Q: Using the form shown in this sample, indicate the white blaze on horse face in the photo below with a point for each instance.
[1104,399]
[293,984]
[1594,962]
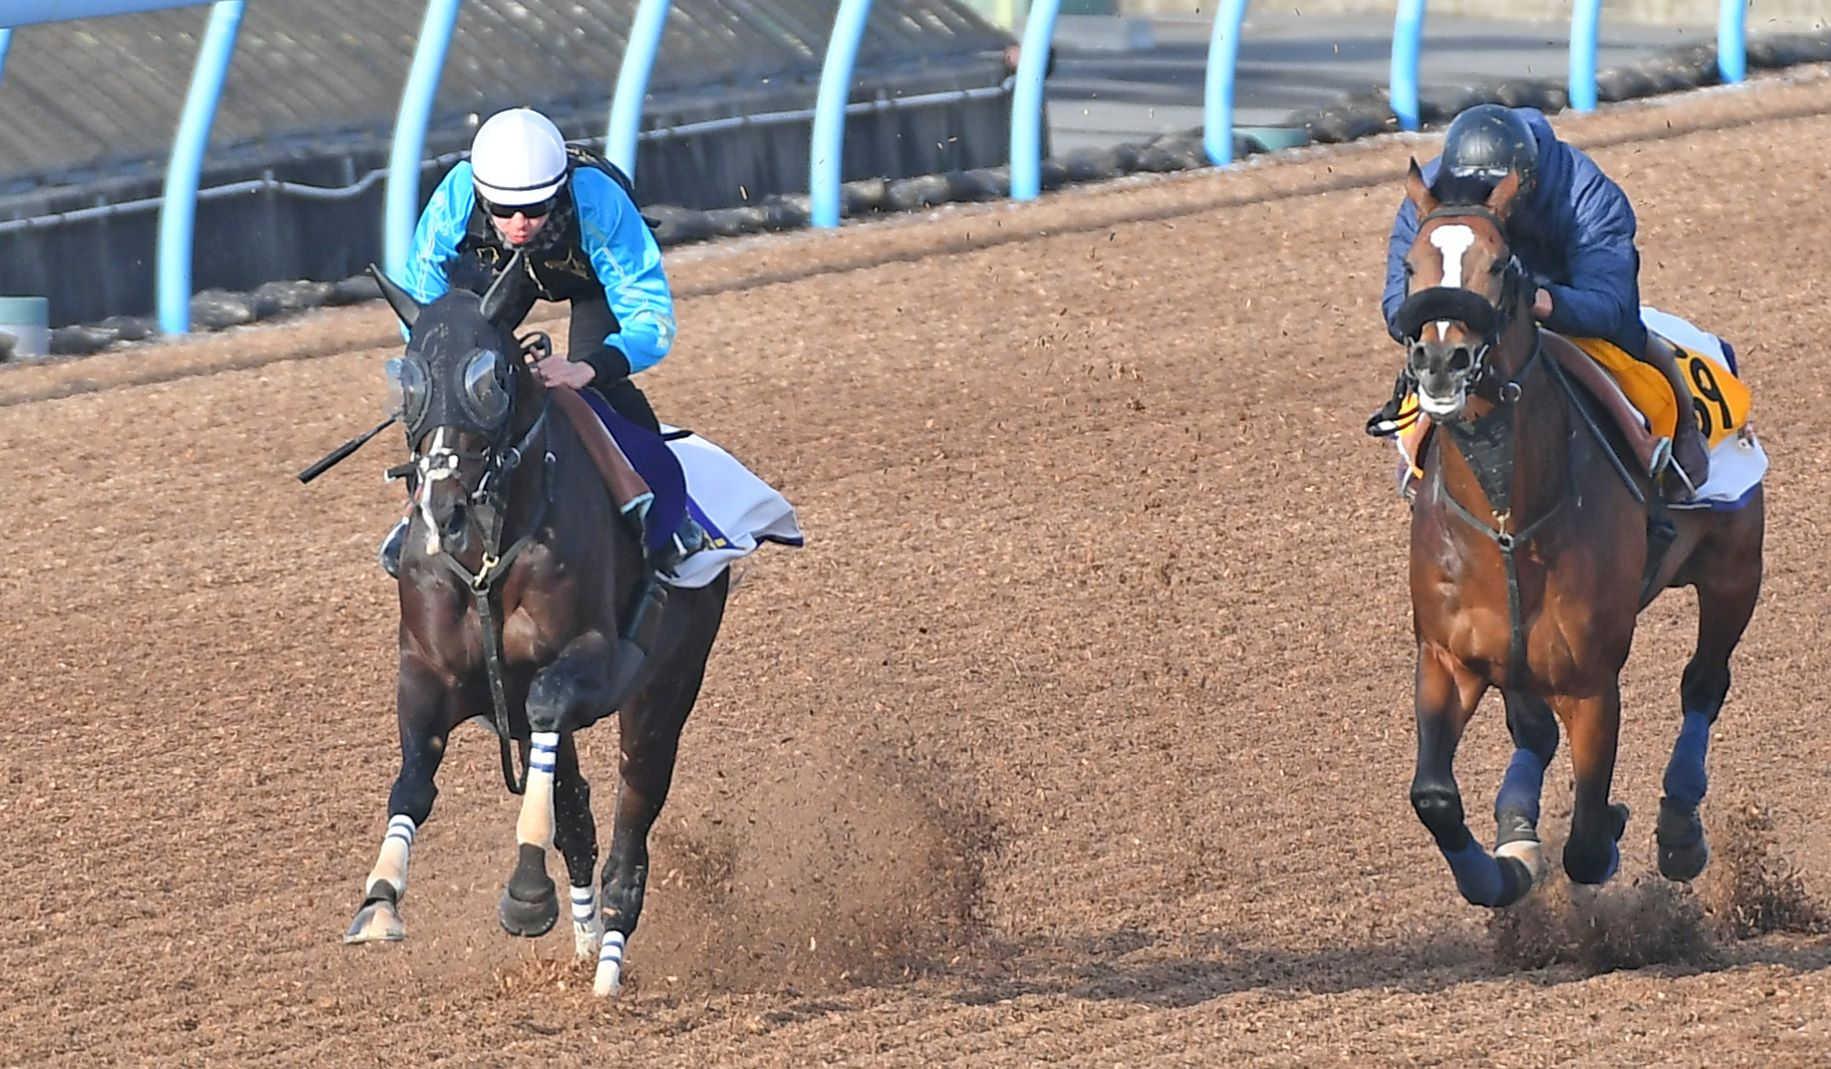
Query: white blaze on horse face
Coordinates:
[428,477]
[1453,243]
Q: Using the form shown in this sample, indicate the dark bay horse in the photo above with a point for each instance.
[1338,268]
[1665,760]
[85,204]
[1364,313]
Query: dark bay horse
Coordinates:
[526,597]
[1531,558]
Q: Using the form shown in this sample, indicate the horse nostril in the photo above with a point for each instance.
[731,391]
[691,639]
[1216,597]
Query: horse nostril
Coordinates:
[1461,358]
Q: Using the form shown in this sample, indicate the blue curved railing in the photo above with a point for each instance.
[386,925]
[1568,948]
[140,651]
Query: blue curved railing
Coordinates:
[826,152]
[1732,41]
[639,54]
[1585,25]
[178,204]
[1402,77]
[404,155]
[1217,82]
[1027,100]
[178,207]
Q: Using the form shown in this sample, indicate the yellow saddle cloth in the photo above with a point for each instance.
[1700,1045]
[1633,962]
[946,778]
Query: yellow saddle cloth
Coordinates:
[1720,399]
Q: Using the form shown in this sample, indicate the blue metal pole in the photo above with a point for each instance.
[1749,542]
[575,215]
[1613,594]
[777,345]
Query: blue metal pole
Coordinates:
[28,12]
[1732,41]
[1407,45]
[1027,100]
[6,42]
[410,132]
[632,84]
[829,139]
[1217,95]
[178,207]
[1585,20]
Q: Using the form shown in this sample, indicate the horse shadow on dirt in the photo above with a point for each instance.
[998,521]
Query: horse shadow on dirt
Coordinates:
[1176,973]
[1752,907]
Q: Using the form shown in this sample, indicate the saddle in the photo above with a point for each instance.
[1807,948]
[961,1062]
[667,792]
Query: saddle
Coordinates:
[1635,397]
[627,488]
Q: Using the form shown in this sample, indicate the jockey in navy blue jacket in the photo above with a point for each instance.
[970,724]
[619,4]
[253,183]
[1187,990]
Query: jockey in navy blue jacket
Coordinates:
[1573,230]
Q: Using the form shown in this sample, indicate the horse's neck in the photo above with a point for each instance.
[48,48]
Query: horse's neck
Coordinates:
[1511,464]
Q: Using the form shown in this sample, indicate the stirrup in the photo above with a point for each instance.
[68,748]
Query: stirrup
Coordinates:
[1662,458]
[687,540]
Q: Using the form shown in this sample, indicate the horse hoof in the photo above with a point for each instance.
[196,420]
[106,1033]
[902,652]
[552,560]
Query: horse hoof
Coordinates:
[608,983]
[586,938]
[1592,866]
[1679,834]
[1528,852]
[376,922]
[1683,864]
[528,919]
[1619,811]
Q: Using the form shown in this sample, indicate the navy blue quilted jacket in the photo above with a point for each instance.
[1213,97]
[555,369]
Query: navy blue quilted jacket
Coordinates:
[1576,237]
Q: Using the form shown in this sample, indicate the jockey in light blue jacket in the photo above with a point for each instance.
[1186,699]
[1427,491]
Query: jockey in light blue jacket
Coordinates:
[574,217]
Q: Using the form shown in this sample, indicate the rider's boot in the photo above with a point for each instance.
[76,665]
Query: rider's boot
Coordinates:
[1690,464]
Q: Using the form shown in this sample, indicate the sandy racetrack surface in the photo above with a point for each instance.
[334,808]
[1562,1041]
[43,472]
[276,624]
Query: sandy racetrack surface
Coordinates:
[1080,732]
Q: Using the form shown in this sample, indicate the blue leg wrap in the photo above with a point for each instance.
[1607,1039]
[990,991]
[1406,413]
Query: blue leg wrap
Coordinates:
[1521,787]
[1685,778]
[1478,874]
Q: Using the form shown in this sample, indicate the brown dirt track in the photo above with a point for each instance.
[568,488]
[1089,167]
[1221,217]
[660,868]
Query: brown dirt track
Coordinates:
[1079,733]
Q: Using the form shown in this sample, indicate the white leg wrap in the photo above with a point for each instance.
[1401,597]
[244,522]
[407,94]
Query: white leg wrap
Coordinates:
[587,924]
[535,824]
[609,980]
[391,863]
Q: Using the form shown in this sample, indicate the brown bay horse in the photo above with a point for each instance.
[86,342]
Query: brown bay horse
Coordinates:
[526,599]
[1531,558]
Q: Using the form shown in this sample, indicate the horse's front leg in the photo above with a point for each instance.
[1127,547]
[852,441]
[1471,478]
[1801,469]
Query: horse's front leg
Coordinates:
[423,709]
[576,835]
[1592,853]
[1516,807]
[1447,694]
[571,690]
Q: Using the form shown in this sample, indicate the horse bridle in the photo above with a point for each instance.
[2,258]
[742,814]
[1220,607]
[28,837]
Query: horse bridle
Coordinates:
[1490,321]
[489,507]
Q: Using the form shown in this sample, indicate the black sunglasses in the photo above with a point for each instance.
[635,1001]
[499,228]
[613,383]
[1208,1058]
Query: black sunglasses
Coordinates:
[532,211]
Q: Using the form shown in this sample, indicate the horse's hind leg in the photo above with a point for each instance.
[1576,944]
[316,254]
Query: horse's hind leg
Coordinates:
[424,725]
[1592,854]
[1516,807]
[1446,696]
[1727,592]
[650,733]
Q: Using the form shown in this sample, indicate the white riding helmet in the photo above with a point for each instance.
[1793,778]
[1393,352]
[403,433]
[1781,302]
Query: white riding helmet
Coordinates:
[518,157]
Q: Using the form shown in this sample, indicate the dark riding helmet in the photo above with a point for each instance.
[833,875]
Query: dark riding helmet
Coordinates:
[1488,141]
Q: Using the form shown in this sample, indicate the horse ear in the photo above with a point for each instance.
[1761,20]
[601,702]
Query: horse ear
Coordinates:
[1500,202]
[1417,190]
[399,299]
[502,289]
